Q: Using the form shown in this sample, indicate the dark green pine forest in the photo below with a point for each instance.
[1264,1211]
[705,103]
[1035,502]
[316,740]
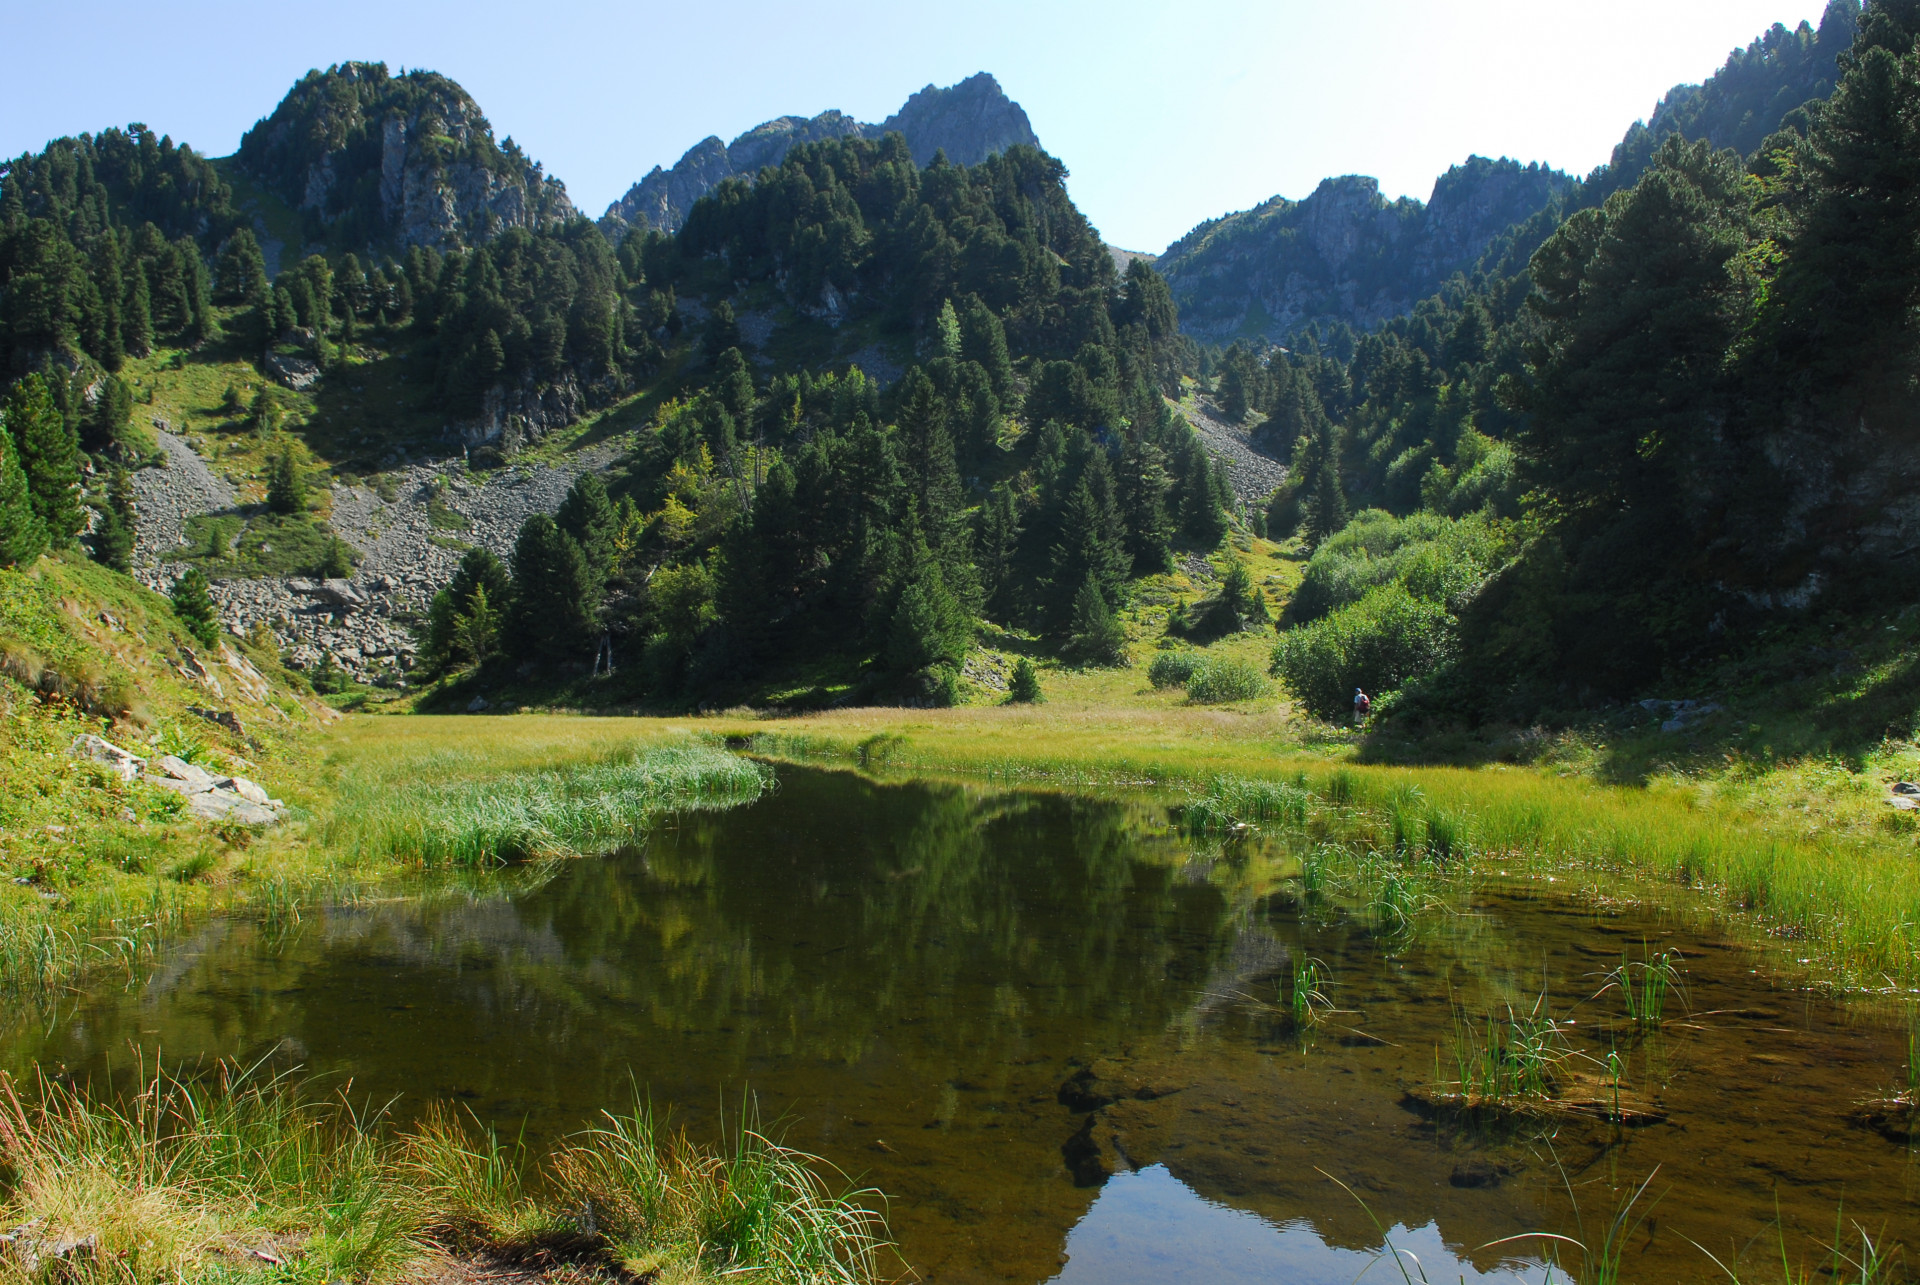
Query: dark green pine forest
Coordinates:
[1663,420]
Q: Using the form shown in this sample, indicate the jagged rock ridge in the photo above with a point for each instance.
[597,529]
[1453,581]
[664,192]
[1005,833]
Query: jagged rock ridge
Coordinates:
[970,121]
[1346,253]
[372,158]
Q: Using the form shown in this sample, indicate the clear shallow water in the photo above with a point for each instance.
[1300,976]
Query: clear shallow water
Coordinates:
[1052,1030]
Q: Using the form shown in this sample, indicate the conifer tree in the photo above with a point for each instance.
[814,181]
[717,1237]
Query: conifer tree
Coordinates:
[1200,517]
[983,339]
[1326,506]
[1095,634]
[929,627]
[105,423]
[50,456]
[113,538]
[589,517]
[286,488]
[1024,686]
[22,535]
[136,326]
[454,619]
[193,605]
[555,595]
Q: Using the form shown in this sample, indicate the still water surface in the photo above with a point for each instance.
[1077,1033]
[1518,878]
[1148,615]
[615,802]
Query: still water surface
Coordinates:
[1054,1030]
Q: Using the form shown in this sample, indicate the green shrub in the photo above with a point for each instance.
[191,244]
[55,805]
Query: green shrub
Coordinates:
[1173,668]
[1216,682]
[1433,557]
[1378,643]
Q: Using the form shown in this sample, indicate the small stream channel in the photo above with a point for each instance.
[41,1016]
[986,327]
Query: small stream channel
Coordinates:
[1056,1032]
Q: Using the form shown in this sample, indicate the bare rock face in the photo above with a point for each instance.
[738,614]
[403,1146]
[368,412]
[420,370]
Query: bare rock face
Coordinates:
[408,160]
[970,121]
[515,416]
[1346,253]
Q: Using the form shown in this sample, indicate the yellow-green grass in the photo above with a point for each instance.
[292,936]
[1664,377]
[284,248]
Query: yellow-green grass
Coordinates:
[238,1177]
[1852,897]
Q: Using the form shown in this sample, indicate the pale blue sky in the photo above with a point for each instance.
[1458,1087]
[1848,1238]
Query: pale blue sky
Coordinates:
[1165,114]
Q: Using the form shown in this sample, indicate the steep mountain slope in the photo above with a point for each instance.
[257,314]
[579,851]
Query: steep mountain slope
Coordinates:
[1346,253]
[1742,103]
[970,121]
[370,158]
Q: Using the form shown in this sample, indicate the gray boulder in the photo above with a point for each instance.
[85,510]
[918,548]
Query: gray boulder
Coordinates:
[100,750]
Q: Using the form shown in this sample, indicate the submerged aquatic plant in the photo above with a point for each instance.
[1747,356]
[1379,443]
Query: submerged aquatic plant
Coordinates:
[563,812]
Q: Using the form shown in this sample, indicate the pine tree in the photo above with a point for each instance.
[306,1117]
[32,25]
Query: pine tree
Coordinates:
[1143,483]
[947,328]
[1201,518]
[1024,687]
[590,518]
[1093,541]
[929,627]
[984,340]
[555,595]
[264,415]
[113,538]
[136,325]
[286,488]
[1326,507]
[106,420]
[240,272]
[994,548]
[50,456]
[1095,634]
[22,535]
[478,627]
[193,605]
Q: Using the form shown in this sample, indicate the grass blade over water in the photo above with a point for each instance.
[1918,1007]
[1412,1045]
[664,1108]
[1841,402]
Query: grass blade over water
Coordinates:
[561,812]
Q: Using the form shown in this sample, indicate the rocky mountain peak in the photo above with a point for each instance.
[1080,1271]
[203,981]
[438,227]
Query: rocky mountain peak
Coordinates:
[1346,253]
[375,158]
[970,121]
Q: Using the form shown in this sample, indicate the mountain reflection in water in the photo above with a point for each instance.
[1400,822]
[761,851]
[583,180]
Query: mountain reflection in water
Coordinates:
[990,1003]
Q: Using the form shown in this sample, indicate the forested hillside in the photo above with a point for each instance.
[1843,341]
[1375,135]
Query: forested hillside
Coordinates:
[861,412]
[1687,426]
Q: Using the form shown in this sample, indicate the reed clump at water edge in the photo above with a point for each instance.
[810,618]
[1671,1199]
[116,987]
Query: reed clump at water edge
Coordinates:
[439,823]
[245,1178]
[1855,910]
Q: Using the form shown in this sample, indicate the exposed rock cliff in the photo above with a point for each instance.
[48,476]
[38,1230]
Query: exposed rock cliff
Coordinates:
[970,121]
[1346,253]
[373,158]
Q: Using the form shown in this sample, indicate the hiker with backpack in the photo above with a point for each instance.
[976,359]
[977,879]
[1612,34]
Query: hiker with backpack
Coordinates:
[1362,706]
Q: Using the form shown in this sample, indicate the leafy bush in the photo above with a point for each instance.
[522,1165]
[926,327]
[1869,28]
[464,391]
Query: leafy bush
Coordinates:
[1378,643]
[1216,682]
[1433,557]
[1173,668]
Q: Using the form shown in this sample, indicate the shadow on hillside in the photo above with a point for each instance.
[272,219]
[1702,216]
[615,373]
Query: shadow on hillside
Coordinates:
[1755,714]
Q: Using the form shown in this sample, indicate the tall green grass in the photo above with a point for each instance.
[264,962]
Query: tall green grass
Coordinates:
[558,812]
[246,1177]
[1857,908]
